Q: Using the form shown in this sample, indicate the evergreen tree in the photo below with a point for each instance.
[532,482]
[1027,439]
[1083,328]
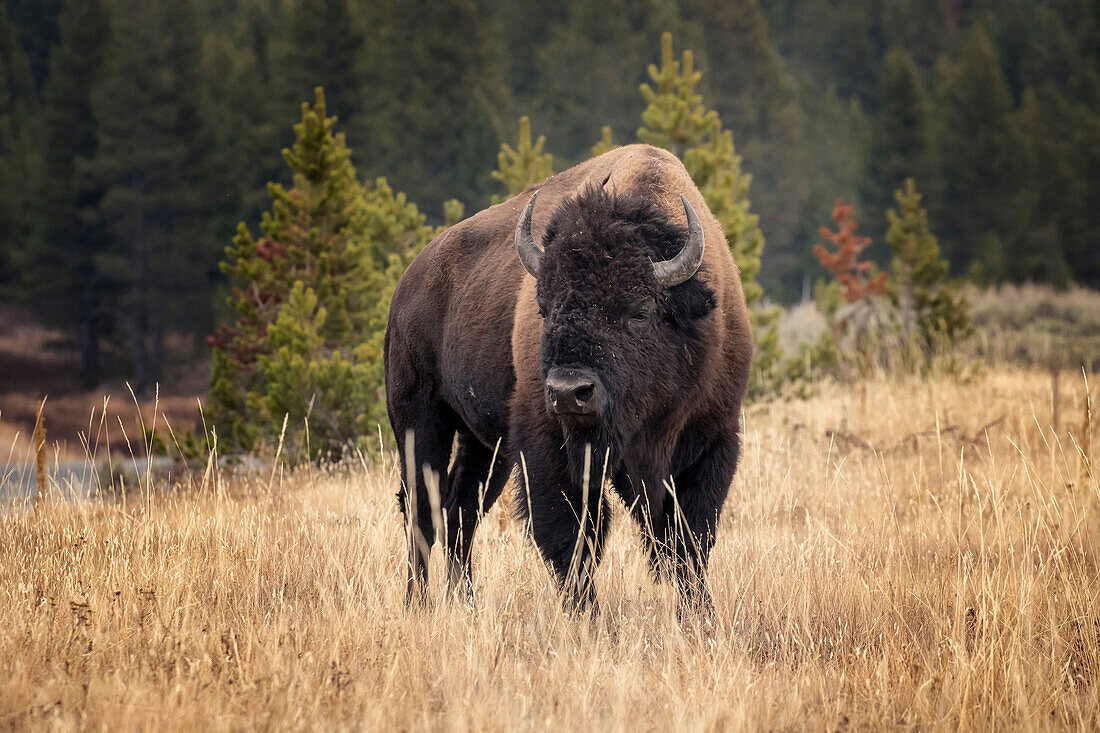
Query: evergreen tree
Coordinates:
[17,164]
[15,68]
[928,307]
[921,28]
[454,211]
[1032,40]
[522,29]
[589,67]
[899,148]
[850,302]
[677,120]
[243,102]
[437,95]
[1009,128]
[312,300]
[716,169]
[837,162]
[975,146]
[524,164]
[605,144]
[150,162]
[834,42]
[37,24]
[1058,220]
[68,241]
[324,49]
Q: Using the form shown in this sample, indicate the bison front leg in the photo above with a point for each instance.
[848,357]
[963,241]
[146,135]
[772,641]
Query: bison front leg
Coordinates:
[685,533]
[476,482]
[568,522]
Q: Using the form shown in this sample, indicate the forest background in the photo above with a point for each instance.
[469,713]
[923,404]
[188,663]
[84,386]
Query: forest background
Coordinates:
[135,135]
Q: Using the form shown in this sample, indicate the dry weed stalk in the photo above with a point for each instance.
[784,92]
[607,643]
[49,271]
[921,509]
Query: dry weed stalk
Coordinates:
[1088,422]
[38,445]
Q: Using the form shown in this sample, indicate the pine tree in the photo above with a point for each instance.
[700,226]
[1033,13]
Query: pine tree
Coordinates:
[857,278]
[899,147]
[324,49]
[927,305]
[1059,156]
[851,301]
[920,27]
[605,144]
[68,241]
[588,66]
[244,104]
[37,23]
[312,300]
[150,159]
[524,164]
[17,92]
[1037,41]
[17,163]
[434,82]
[454,211]
[677,119]
[716,169]
[975,145]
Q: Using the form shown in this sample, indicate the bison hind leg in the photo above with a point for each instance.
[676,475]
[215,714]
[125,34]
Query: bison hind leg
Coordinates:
[424,496]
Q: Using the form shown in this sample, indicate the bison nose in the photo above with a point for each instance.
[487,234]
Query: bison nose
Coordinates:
[574,392]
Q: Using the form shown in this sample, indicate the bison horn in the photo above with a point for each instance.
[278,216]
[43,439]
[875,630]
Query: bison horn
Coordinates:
[684,265]
[530,254]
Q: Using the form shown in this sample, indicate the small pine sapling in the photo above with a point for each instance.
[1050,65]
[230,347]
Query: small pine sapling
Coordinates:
[929,309]
[675,118]
[604,145]
[519,167]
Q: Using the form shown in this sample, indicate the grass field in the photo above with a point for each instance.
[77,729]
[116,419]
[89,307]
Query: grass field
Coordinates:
[911,553]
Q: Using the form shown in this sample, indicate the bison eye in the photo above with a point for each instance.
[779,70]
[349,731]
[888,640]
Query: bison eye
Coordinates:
[542,306]
[639,315]
[642,310]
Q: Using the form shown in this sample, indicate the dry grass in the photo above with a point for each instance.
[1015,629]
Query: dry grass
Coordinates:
[882,563]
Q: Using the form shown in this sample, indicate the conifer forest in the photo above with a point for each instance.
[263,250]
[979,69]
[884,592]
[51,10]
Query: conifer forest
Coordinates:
[135,136]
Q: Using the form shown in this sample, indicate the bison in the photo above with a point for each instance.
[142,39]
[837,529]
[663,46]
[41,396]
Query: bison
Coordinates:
[616,352]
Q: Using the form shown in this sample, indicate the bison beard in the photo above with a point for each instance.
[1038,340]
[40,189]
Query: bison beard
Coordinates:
[618,351]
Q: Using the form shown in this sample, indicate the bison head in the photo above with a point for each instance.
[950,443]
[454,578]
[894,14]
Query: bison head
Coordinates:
[621,313]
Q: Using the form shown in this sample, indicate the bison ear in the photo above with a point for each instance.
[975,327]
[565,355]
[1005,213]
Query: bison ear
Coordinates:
[683,266]
[530,254]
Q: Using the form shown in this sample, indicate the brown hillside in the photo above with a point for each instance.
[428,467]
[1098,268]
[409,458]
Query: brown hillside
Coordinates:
[36,363]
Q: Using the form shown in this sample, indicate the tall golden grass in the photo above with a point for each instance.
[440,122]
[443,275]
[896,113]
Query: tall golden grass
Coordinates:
[924,557]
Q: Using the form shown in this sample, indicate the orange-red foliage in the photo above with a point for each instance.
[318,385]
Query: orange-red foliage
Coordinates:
[844,263]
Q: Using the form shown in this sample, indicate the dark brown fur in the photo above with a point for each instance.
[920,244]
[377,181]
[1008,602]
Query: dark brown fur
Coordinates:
[467,353]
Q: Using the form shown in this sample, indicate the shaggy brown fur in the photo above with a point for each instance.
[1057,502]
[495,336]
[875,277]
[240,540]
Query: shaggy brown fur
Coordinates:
[468,352]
